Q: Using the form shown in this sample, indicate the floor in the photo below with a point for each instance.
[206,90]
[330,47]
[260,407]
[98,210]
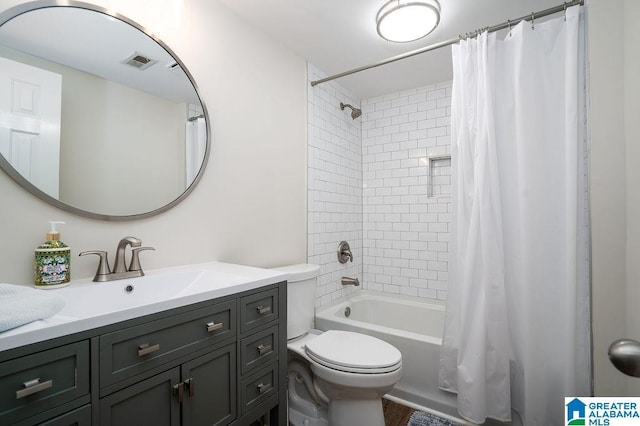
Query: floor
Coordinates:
[395,414]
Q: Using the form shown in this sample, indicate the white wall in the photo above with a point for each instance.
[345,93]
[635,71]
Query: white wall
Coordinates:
[250,206]
[407,204]
[369,184]
[335,186]
[615,203]
[632,136]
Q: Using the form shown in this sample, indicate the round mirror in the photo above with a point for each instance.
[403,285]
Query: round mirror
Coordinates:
[97,116]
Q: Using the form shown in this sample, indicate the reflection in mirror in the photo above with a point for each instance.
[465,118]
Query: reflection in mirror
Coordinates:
[96,114]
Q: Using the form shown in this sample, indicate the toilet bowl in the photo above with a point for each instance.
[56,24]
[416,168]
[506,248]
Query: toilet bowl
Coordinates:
[335,377]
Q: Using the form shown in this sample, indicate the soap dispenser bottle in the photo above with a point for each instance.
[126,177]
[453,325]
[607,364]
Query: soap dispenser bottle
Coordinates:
[52,261]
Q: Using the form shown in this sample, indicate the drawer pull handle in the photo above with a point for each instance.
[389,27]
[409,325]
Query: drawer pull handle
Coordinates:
[262,388]
[262,349]
[263,309]
[145,349]
[211,326]
[33,386]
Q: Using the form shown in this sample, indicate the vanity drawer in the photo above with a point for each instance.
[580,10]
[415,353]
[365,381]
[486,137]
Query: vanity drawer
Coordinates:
[259,349]
[137,349]
[258,309]
[258,387]
[38,382]
[78,417]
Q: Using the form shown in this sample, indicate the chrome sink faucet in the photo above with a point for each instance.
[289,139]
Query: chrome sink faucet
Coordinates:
[120,271]
[119,266]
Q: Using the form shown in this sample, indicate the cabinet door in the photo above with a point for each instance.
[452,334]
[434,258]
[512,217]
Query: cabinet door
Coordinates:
[210,388]
[149,403]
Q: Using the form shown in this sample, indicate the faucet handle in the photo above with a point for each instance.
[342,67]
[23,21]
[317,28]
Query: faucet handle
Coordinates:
[344,252]
[135,259]
[103,266]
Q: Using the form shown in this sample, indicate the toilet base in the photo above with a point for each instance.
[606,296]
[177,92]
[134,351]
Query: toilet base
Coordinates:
[350,412]
[302,409]
[297,418]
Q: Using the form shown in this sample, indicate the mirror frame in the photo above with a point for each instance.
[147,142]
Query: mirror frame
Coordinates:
[18,10]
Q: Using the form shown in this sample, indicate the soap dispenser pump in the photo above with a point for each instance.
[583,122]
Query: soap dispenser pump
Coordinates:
[52,261]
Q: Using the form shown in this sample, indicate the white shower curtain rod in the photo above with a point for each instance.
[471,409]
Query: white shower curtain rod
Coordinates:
[532,16]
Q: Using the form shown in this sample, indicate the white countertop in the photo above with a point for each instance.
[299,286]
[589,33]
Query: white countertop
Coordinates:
[88,306]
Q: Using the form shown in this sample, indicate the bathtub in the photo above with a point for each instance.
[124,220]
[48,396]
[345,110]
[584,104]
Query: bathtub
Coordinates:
[412,325]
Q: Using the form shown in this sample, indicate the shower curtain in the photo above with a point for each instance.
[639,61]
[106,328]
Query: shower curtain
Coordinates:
[196,145]
[517,321]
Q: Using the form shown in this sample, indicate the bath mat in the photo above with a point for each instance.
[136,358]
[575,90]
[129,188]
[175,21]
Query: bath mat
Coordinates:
[421,418]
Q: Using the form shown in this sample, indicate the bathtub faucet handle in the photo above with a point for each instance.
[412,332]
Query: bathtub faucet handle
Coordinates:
[350,281]
[344,252]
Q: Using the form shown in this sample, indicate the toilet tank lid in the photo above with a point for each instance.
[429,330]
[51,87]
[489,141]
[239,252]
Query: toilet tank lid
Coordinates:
[300,272]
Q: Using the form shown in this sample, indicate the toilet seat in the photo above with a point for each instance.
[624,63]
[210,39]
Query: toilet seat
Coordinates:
[353,353]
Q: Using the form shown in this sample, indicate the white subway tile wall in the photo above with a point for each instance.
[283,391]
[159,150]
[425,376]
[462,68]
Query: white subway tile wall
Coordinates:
[406,203]
[440,176]
[369,184]
[334,186]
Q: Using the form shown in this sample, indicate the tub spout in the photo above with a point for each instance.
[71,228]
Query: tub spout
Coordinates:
[350,281]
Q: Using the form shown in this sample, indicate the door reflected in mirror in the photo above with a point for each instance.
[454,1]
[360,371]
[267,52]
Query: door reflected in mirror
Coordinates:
[96,116]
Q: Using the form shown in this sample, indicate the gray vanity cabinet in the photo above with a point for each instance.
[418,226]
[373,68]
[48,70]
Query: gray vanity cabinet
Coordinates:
[197,393]
[219,362]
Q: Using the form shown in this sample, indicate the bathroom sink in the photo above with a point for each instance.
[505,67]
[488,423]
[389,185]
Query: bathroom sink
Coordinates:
[90,305]
[92,299]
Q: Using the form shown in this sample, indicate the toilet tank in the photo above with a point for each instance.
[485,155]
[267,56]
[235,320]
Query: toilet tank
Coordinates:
[301,296]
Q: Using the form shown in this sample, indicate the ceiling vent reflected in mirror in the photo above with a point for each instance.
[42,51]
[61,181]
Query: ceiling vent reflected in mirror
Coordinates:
[139,61]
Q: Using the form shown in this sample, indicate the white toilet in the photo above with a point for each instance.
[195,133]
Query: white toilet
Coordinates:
[336,378]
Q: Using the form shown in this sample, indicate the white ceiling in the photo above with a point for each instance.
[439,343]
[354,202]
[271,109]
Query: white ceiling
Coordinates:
[338,35]
[97,44]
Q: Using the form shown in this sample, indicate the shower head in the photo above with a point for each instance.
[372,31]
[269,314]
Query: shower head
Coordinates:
[355,112]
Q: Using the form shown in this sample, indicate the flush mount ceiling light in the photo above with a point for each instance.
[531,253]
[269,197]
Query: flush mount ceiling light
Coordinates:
[402,21]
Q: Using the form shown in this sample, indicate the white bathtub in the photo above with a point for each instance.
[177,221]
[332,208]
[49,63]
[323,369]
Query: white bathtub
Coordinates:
[412,325]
